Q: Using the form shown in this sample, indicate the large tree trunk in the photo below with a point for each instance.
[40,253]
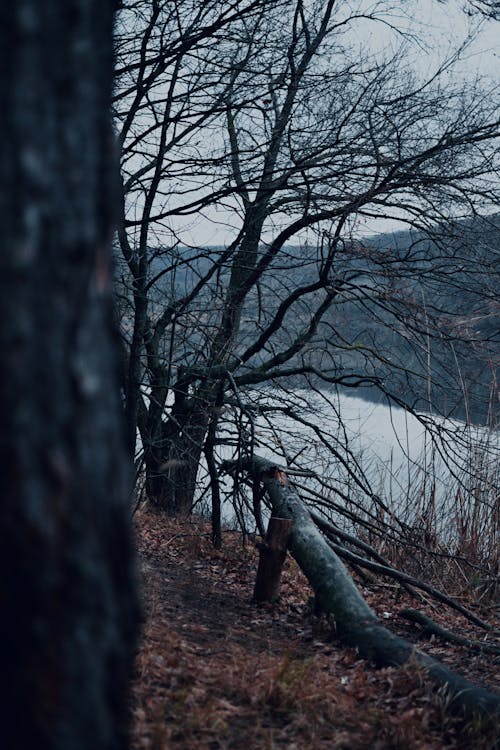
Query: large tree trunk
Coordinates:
[171,471]
[173,454]
[337,595]
[172,462]
[67,581]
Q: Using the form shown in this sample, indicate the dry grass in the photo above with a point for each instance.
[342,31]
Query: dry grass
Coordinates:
[215,671]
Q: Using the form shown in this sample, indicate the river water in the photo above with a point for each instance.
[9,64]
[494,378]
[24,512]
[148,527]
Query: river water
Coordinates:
[360,449]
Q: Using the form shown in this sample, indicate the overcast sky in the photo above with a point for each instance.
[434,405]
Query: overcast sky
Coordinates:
[440,27]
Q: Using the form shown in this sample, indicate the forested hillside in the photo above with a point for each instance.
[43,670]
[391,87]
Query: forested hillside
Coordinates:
[441,337]
[428,336]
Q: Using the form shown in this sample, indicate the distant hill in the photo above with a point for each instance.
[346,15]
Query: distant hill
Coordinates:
[419,313]
[453,360]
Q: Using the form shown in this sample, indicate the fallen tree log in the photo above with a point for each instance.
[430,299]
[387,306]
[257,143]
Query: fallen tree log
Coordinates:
[336,594]
[403,578]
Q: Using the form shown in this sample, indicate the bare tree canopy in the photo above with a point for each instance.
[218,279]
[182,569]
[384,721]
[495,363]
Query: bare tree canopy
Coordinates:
[280,130]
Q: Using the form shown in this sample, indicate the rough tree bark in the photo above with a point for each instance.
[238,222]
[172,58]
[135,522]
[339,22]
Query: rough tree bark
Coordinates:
[172,466]
[337,595]
[67,580]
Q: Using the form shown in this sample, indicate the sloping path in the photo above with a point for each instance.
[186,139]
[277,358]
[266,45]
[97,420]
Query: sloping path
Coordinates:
[215,671]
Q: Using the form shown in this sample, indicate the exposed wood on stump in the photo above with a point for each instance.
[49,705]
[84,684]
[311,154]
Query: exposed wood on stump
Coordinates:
[272,557]
[355,622]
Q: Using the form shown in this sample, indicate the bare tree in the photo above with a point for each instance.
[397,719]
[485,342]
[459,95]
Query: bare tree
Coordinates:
[67,587]
[487,8]
[284,129]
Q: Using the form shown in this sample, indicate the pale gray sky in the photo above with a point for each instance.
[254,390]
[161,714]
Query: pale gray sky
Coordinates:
[440,28]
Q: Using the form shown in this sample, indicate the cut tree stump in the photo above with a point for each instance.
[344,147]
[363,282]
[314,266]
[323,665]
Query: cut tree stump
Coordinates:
[272,557]
[355,622]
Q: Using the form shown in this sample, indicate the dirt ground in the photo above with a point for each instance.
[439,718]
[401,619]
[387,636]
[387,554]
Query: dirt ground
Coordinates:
[217,671]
